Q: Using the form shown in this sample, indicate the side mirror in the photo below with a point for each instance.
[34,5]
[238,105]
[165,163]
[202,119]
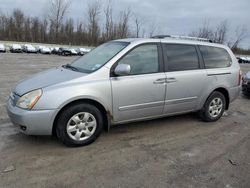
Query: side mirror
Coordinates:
[122,70]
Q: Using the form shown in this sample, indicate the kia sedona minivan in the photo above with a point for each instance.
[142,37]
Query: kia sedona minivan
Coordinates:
[124,81]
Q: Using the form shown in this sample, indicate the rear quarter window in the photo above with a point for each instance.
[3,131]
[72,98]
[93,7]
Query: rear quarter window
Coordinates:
[215,57]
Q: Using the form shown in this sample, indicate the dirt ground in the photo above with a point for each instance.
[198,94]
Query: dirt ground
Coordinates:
[180,151]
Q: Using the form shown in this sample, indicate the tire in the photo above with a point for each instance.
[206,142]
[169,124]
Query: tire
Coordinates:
[214,107]
[75,125]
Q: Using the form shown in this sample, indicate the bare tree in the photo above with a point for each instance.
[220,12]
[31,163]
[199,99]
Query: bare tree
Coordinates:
[221,32]
[93,13]
[151,29]
[240,35]
[44,30]
[123,25]
[27,34]
[205,31]
[81,33]
[35,34]
[18,18]
[69,31]
[58,9]
[216,34]
[3,26]
[138,25]
[109,24]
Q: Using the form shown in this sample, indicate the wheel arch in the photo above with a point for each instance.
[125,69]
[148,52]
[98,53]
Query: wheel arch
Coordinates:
[106,114]
[225,92]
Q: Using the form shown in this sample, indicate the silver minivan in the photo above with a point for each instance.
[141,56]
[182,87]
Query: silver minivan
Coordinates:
[124,81]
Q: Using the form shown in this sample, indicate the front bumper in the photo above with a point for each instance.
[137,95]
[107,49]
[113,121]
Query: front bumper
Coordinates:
[32,122]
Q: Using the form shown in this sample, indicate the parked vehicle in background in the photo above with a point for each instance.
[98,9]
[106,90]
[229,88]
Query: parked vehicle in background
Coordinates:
[247,59]
[39,48]
[2,48]
[73,51]
[51,49]
[55,50]
[28,48]
[44,50]
[64,51]
[127,80]
[243,59]
[82,51]
[246,84]
[16,48]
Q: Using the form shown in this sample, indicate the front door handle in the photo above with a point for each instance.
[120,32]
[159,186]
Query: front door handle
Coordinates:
[160,81]
[171,80]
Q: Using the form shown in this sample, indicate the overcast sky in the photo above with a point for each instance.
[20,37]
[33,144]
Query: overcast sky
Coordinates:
[170,16]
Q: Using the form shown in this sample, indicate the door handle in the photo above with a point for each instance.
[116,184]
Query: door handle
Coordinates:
[160,81]
[171,80]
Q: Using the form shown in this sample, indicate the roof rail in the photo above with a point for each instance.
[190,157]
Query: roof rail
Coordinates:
[182,37]
[160,36]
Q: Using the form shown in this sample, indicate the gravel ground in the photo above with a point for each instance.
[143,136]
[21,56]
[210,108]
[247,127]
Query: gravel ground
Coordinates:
[180,151]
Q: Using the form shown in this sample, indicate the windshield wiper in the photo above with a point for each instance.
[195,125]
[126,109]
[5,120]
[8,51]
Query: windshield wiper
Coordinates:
[68,66]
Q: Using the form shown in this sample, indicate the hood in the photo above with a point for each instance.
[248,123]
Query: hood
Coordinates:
[45,79]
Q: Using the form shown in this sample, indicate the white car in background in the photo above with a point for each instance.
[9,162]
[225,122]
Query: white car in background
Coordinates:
[247,59]
[55,50]
[82,51]
[28,48]
[243,59]
[16,48]
[2,48]
[44,50]
[73,51]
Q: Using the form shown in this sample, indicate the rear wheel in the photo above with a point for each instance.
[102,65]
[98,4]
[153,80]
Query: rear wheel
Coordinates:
[79,125]
[214,107]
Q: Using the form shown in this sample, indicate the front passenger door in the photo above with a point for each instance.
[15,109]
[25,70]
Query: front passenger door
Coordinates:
[140,94]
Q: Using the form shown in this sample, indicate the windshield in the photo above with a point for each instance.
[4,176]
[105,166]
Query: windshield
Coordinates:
[98,57]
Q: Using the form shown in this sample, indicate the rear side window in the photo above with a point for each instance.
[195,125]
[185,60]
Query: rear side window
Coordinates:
[215,57]
[181,57]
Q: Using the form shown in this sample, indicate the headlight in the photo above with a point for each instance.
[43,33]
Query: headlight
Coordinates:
[28,100]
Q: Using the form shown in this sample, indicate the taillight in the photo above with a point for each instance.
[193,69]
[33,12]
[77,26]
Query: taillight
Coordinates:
[240,77]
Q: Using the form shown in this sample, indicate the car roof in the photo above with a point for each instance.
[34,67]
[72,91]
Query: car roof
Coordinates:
[170,40]
[16,45]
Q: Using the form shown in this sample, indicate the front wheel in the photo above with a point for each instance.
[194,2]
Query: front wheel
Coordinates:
[214,107]
[79,125]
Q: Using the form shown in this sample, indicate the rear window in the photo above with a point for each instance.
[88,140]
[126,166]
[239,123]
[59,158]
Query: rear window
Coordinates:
[181,57]
[215,57]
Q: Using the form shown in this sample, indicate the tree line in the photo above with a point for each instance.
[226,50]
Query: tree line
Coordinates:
[57,28]
[220,34]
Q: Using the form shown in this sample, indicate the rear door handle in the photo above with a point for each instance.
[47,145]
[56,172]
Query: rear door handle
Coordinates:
[171,80]
[160,81]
